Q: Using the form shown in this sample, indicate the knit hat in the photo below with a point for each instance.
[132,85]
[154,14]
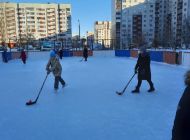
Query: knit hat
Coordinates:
[52,53]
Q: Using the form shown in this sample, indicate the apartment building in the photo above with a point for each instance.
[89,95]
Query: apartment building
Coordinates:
[102,33]
[116,21]
[180,15]
[163,21]
[8,22]
[90,39]
[90,35]
[35,20]
[138,24]
[118,7]
[171,17]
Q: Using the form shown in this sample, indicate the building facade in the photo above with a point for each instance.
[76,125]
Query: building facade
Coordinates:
[118,7]
[162,22]
[138,24]
[180,17]
[90,39]
[102,33]
[38,21]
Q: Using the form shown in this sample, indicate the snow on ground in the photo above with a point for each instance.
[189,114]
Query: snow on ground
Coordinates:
[88,108]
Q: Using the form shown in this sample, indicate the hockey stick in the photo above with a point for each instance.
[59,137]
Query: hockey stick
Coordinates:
[30,102]
[122,92]
[81,59]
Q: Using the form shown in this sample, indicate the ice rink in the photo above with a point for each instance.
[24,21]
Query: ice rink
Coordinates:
[88,107]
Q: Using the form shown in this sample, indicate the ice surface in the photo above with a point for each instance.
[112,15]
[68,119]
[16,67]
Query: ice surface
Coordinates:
[87,108]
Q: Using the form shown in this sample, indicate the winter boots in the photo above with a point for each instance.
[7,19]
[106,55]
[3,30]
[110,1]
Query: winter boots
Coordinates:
[135,91]
[151,89]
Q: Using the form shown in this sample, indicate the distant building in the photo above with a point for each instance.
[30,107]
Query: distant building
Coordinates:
[162,22]
[138,24]
[118,6]
[102,33]
[39,21]
[90,39]
[90,35]
[180,15]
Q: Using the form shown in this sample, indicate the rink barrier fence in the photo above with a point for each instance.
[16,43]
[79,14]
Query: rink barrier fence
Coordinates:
[80,53]
[67,53]
[134,53]
[160,56]
[16,55]
[157,56]
[8,55]
[186,58]
[122,53]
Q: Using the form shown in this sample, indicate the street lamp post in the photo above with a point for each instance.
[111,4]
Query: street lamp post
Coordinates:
[79,33]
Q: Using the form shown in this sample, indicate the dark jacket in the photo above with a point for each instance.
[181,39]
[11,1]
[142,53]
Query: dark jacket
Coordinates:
[23,55]
[85,53]
[61,53]
[181,128]
[143,66]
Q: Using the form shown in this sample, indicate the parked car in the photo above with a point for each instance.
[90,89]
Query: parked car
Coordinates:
[47,46]
[30,47]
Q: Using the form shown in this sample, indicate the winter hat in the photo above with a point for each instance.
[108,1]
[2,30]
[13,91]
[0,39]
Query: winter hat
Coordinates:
[187,78]
[52,53]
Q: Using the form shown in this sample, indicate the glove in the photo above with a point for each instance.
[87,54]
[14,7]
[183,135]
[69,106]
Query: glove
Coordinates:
[48,72]
[136,71]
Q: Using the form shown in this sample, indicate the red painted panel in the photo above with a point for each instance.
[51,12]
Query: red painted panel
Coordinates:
[134,53]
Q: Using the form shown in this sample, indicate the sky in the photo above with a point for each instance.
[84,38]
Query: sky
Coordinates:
[87,11]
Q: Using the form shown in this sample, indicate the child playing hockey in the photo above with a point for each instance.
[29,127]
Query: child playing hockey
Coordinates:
[54,66]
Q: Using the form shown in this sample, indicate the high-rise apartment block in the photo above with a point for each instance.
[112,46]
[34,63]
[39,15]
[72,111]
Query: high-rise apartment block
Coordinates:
[102,33]
[171,17]
[118,7]
[138,24]
[41,21]
[180,15]
[161,21]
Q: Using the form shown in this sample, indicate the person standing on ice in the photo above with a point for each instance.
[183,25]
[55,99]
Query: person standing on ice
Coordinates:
[143,69]
[181,127]
[4,54]
[61,53]
[85,53]
[23,56]
[54,66]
